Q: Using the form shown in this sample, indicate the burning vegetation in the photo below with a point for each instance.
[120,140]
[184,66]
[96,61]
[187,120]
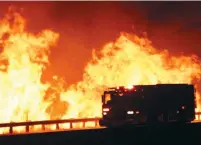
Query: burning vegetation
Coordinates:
[129,60]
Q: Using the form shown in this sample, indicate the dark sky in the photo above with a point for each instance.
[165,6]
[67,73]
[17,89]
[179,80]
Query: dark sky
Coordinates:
[86,25]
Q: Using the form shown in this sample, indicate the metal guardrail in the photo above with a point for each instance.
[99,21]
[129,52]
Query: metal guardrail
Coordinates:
[58,122]
[49,122]
[197,117]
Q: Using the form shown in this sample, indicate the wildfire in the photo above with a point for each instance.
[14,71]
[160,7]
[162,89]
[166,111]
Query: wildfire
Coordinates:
[130,60]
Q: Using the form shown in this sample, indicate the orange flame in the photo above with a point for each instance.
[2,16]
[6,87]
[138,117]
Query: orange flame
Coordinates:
[23,58]
[130,60]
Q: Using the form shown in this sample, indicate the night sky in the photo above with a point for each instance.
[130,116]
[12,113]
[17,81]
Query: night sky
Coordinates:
[175,26]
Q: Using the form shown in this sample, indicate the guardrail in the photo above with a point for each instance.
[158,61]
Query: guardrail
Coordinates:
[198,113]
[198,116]
[59,122]
[49,122]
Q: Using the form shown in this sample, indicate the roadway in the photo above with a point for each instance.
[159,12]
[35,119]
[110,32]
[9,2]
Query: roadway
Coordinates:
[65,130]
[185,134]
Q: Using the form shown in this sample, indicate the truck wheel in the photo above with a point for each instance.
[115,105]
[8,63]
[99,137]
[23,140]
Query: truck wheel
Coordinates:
[101,123]
[109,125]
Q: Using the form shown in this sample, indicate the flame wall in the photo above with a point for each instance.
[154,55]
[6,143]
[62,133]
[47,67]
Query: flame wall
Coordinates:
[127,60]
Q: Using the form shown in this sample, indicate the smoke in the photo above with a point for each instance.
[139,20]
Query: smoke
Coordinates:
[84,26]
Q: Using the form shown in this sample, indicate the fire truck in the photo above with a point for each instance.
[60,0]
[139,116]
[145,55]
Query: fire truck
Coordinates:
[148,104]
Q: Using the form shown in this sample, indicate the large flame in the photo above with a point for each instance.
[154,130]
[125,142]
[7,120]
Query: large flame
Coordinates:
[22,60]
[128,60]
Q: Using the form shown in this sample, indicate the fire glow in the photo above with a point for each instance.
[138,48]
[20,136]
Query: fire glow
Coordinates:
[130,60]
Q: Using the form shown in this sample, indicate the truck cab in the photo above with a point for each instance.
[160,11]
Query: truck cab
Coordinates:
[121,105]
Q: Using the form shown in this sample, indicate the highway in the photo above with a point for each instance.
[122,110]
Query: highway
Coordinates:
[72,129]
[69,129]
[171,134]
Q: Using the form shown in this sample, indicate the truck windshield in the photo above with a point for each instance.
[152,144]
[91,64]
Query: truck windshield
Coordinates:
[118,98]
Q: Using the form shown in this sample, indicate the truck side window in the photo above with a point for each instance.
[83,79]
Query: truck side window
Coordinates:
[107,98]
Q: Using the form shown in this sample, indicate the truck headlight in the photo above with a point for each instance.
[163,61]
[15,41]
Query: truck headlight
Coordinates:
[130,112]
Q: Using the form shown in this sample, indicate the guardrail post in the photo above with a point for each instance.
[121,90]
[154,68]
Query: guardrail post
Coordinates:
[71,125]
[11,129]
[83,125]
[27,128]
[43,126]
[96,123]
[57,126]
